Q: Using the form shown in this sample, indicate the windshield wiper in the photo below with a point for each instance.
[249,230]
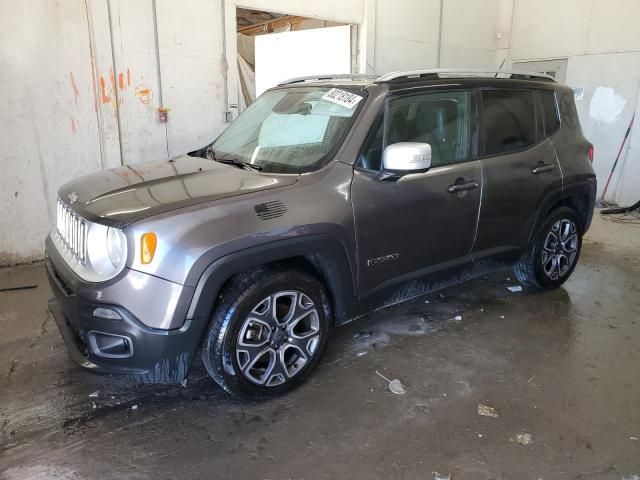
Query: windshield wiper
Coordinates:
[237,163]
[210,152]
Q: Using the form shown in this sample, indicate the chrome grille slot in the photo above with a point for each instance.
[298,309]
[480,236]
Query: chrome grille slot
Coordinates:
[73,231]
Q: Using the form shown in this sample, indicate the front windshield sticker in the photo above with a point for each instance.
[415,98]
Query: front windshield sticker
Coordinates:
[345,99]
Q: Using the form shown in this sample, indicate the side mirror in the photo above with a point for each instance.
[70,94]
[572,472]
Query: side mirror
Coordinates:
[406,157]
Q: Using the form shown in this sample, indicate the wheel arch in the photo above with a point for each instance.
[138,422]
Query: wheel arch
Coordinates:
[320,255]
[578,203]
[580,197]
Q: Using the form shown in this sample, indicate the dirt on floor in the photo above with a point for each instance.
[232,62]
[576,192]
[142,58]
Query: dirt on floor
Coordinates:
[499,385]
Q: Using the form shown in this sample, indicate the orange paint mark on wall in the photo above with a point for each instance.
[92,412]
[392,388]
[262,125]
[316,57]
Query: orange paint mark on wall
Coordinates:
[76,93]
[105,97]
[93,83]
[73,125]
[107,91]
[109,88]
[144,94]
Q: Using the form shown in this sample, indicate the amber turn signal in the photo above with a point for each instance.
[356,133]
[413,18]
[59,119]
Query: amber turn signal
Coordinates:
[149,242]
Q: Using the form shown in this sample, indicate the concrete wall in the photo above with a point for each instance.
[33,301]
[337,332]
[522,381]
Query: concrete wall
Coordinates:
[48,123]
[408,34]
[469,34]
[601,41]
[82,81]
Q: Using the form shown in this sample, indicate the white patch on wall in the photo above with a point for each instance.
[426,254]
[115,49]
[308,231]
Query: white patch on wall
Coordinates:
[319,51]
[606,105]
[578,93]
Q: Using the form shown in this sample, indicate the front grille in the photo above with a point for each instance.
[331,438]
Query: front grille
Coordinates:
[73,231]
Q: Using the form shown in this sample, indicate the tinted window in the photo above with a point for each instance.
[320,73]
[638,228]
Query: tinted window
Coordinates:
[568,110]
[439,119]
[509,121]
[549,112]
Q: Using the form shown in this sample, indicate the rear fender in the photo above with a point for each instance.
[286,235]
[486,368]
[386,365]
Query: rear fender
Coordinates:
[575,194]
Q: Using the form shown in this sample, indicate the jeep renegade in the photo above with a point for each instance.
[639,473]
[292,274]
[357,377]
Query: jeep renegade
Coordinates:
[326,199]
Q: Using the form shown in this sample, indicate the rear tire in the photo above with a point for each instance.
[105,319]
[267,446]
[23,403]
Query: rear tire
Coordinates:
[267,333]
[553,252]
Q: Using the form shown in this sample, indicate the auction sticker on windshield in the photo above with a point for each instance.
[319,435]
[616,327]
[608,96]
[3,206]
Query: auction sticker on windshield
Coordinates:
[345,99]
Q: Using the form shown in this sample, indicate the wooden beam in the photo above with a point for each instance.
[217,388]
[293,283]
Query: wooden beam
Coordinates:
[269,25]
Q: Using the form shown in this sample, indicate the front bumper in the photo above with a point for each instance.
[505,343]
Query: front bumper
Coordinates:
[143,353]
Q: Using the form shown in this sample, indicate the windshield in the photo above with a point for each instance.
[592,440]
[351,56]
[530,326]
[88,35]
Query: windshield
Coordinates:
[290,130]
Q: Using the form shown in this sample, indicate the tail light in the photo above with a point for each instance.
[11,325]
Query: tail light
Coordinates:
[591,153]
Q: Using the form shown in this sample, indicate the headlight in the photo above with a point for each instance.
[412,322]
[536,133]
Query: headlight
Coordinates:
[95,252]
[106,251]
[116,246]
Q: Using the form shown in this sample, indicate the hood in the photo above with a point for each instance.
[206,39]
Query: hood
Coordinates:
[124,195]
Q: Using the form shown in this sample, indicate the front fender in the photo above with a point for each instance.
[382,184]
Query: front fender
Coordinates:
[327,253]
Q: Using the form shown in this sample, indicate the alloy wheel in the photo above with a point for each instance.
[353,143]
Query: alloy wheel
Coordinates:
[278,338]
[559,249]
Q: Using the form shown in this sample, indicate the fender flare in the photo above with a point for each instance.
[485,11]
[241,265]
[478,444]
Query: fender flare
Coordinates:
[326,254]
[582,188]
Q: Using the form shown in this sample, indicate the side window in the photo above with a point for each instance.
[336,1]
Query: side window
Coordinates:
[508,119]
[549,113]
[439,119]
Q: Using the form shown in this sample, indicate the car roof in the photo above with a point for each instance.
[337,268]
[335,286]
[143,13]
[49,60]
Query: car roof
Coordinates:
[433,77]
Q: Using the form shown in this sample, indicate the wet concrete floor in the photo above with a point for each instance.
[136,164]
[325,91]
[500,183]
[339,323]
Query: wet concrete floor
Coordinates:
[561,366]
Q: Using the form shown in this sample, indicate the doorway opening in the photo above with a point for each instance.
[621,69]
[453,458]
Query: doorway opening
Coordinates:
[274,47]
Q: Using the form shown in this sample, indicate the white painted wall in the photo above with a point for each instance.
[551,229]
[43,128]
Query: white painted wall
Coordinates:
[408,36]
[191,57]
[48,125]
[469,34]
[81,88]
[601,41]
[42,42]
[281,56]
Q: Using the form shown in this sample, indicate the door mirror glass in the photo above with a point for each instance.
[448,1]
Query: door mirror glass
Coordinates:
[406,157]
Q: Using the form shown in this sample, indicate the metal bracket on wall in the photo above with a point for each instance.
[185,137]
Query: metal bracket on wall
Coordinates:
[229,114]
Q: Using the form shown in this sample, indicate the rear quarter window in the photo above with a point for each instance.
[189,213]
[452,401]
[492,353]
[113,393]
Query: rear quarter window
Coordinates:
[549,112]
[508,119]
[568,110]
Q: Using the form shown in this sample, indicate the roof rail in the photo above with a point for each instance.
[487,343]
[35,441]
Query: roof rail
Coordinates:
[341,76]
[441,72]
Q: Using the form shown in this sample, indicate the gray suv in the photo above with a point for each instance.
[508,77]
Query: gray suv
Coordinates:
[326,199]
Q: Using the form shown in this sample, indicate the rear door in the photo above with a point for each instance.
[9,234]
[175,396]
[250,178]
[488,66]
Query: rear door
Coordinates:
[417,229]
[520,169]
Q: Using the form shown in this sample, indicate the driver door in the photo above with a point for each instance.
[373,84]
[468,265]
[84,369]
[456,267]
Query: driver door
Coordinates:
[416,232]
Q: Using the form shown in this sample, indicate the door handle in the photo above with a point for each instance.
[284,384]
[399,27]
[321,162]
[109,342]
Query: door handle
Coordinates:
[460,187]
[543,167]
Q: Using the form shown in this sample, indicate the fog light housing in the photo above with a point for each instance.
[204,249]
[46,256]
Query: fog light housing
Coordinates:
[106,313]
[109,345]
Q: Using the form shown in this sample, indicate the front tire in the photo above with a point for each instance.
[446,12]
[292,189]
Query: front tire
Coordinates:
[553,253]
[267,333]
